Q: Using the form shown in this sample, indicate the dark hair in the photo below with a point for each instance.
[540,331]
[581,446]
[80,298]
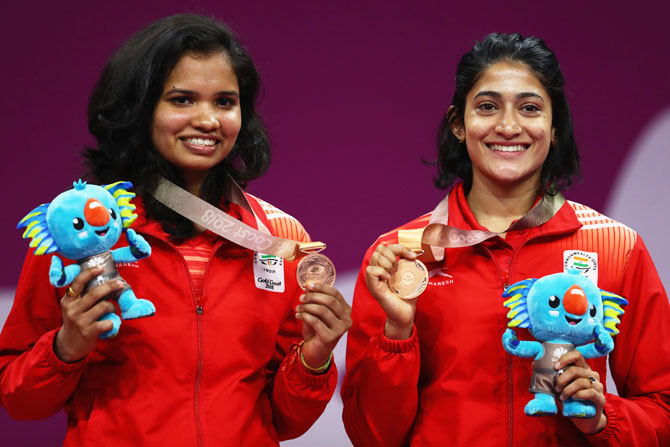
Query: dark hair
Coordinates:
[122,103]
[562,163]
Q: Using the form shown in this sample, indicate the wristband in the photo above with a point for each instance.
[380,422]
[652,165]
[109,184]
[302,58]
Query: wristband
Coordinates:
[321,369]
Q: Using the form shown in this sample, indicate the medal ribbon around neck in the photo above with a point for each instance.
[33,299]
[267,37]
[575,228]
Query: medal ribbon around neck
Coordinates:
[215,220]
[437,236]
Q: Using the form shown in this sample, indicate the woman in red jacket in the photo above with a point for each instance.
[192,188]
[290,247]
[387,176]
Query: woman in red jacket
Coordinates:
[432,370]
[226,359]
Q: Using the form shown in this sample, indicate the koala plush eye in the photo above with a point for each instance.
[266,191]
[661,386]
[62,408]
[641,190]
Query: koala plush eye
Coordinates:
[77,223]
[554,301]
[592,310]
[112,213]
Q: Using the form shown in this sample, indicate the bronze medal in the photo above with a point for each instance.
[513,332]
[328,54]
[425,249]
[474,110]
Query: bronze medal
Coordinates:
[315,267]
[408,279]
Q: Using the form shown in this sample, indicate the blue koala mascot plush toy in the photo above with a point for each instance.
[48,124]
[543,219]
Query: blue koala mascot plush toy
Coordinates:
[564,311]
[83,224]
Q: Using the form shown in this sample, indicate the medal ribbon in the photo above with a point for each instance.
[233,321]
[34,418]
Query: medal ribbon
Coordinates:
[437,235]
[215,220]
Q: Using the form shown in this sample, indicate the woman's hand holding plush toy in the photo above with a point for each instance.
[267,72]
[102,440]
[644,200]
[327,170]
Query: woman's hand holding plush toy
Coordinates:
[81,328]
[581,382]
[399,312]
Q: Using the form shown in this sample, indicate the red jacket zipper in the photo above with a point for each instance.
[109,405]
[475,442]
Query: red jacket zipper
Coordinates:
[505,278]
[199,309]
[198,377]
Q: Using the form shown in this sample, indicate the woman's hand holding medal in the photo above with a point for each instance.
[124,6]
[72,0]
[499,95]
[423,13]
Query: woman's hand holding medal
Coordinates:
[326,316]
[399,311]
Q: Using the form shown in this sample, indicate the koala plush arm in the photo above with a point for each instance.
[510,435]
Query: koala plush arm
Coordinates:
[59,276]
[514,346]
[602,345]
[137,248]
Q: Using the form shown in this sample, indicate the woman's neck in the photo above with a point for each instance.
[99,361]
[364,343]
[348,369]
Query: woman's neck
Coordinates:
[496,207]
[193,182]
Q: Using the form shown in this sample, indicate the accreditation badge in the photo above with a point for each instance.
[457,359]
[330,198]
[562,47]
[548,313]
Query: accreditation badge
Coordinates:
[269,272]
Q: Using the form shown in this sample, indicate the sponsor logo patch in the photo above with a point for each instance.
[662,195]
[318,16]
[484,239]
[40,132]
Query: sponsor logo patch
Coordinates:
[440,277]
[586,263]
[127,264]
[269,272]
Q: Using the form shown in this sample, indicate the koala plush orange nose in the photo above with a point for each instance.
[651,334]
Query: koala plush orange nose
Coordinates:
[95,213]
[574,301]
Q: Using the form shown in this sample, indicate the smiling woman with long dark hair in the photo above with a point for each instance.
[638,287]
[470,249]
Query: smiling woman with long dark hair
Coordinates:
[227,359]
[432,370]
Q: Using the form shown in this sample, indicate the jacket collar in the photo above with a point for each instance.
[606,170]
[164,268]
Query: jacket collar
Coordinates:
[461,216]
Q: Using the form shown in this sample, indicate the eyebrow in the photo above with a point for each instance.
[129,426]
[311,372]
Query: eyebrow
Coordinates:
[521,95]
[192,92]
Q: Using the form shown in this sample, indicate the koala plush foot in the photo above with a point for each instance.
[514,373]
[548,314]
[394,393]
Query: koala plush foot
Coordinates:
[133,307]
[574,408]
[116,321]
[542,405]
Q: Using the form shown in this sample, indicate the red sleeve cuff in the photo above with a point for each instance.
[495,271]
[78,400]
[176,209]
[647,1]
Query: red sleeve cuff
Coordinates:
[396,346]
[312,381]
[52,359]
[603,436]
[316,381]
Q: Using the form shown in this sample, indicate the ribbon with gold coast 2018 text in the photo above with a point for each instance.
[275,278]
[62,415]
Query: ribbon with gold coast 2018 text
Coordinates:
[313,266]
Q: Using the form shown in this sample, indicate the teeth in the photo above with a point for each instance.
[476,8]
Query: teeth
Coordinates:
[201,141]
[501,148]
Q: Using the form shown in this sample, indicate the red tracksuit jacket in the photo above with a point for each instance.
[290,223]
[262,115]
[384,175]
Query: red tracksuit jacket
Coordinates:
[215,371]
[452,384]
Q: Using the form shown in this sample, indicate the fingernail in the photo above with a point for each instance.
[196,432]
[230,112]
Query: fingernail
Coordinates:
[119,283]
[412,255]
[557,365]
[302,298]
[310,285]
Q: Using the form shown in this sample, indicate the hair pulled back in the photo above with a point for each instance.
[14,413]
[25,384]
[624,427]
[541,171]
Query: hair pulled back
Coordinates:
[562,162]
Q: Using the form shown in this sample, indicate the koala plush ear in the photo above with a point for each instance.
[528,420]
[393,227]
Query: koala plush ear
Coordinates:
[517,295]
[119,191]
[611,310]
[36,227]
